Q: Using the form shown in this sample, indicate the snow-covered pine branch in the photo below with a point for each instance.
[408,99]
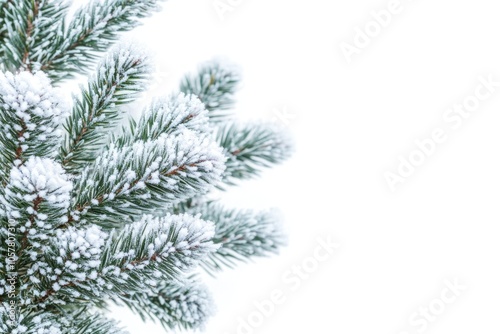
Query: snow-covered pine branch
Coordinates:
[90,265]
[174,304]
[33,323]
[65,321]
[125,181]
[82,321]
[251,147]
[32,27]
[86,214]
[93,29]
[156,249]
[3,27]
[214,84]
[241,234]
[36,197]
[119,78]
[30,114]
[73,256]
[166,116]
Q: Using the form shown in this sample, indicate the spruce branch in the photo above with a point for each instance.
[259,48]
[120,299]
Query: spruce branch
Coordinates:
[37,198]
[18,24]
[119,78]
[251,147]
[241,234]
[78,321]
[82,214]
[45,32]
[39,322]
[88,264]
[185,304]
[67,269]
[156,249]
[166,116]
[81,321]
[30,115]
[215,84]
[3,26]
[93,29]
[42,189]
[145,176]
[31,28]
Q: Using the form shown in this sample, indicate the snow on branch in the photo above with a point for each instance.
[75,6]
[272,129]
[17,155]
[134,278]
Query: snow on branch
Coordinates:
[69,269]
[214,84]
[30,29]
[94,28]
[156,249]
[146,176]
[175,305]
[251,147]
[69,321]
[39,322]
[88,264]
[37,197]
[241,234]
[166,116]
[119,78]
[30,114]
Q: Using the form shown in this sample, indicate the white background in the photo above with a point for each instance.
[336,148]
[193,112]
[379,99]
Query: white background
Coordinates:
[351,121]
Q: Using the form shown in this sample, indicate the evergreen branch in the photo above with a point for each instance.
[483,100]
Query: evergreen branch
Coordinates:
[250,148]
[71,257]
[3,26]
[78,321]
[241,234]
[18,26]
[94,29]
[88,265]
[144,177]
[30,114]
[39,322]
[215,84]
[3,6]
[176,305]
[119,78]
[37,198]
[156,249]
[84,223]
[45,32]
[31,28]
[166,116]
[38,195]
[83,322]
